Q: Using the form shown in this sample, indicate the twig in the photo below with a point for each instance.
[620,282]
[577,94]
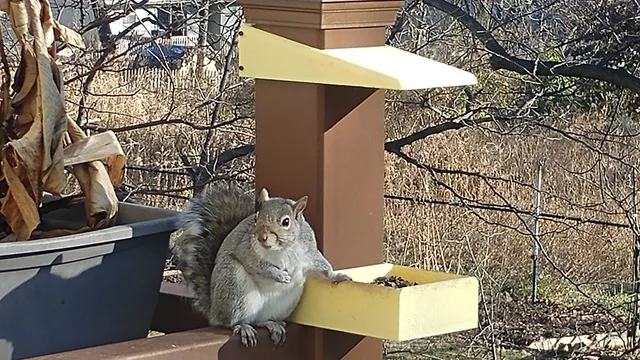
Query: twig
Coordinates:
[511,209]
[166,122]
[205,150]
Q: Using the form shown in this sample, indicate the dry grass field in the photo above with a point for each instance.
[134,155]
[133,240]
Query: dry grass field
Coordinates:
[427,235]
[582,259]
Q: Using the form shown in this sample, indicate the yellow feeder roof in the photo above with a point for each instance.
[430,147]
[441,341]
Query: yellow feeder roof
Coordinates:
[264,55]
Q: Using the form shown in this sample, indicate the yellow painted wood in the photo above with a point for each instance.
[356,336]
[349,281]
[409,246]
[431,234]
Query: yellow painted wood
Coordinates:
[441,303]
[264,55]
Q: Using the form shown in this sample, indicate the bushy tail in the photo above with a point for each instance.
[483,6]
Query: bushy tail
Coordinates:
[204,224]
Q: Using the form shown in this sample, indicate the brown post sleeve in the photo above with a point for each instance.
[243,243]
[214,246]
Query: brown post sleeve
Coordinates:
[327,142]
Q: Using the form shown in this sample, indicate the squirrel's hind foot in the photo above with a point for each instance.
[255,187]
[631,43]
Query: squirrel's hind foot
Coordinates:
[277,329]
[248,335]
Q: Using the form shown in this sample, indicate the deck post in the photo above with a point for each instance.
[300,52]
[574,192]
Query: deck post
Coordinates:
[327,142]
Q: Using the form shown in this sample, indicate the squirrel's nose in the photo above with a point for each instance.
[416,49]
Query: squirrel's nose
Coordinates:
[262,237]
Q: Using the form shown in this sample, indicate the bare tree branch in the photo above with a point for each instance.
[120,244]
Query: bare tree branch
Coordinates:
[159,122]
[500,59]
[457,123]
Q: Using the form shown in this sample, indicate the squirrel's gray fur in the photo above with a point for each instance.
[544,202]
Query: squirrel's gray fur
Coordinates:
[247,261]
[206,221]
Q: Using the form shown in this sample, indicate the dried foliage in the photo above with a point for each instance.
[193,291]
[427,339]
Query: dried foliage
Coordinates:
[36,129]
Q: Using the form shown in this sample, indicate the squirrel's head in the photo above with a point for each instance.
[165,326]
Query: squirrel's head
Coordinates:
[278,220]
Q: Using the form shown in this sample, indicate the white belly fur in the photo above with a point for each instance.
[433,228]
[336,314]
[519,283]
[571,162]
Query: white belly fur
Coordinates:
[269,300]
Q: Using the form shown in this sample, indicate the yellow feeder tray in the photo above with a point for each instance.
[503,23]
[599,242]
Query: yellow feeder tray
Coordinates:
[441,303]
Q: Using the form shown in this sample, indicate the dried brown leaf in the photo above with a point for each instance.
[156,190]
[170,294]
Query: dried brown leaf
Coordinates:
[19,20]
[19,207]
[97,147]
[68,35]
[53,30]
[25,77]
[116,169]
[47,23]
[24,177]
[5,108]
[53,133]
[101,203]
[36,158]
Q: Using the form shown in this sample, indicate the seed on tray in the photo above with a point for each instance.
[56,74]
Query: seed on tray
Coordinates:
[393,281]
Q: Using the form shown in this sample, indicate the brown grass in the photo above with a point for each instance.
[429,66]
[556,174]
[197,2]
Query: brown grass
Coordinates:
[456,239]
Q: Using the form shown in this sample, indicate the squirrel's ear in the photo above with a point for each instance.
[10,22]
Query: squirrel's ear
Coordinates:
[300,205]
[262,197]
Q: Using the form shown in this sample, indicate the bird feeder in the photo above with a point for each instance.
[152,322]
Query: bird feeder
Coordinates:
[321,69]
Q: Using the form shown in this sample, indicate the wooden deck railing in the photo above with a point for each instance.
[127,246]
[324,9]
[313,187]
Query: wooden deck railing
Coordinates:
[188,337]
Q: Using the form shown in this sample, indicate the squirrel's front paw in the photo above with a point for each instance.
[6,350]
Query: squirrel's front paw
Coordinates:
[283,276]
[337,277]
[248,335]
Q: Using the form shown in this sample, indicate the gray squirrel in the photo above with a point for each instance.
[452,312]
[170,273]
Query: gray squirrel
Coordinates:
[247,261]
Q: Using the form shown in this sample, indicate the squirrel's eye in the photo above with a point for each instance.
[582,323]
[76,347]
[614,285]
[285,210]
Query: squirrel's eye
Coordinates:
[285,221]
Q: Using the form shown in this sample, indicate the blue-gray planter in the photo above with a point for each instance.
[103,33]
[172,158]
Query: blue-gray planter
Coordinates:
[82,290]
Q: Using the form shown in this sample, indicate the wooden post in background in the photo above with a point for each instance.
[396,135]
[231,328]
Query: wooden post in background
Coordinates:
[327,142]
